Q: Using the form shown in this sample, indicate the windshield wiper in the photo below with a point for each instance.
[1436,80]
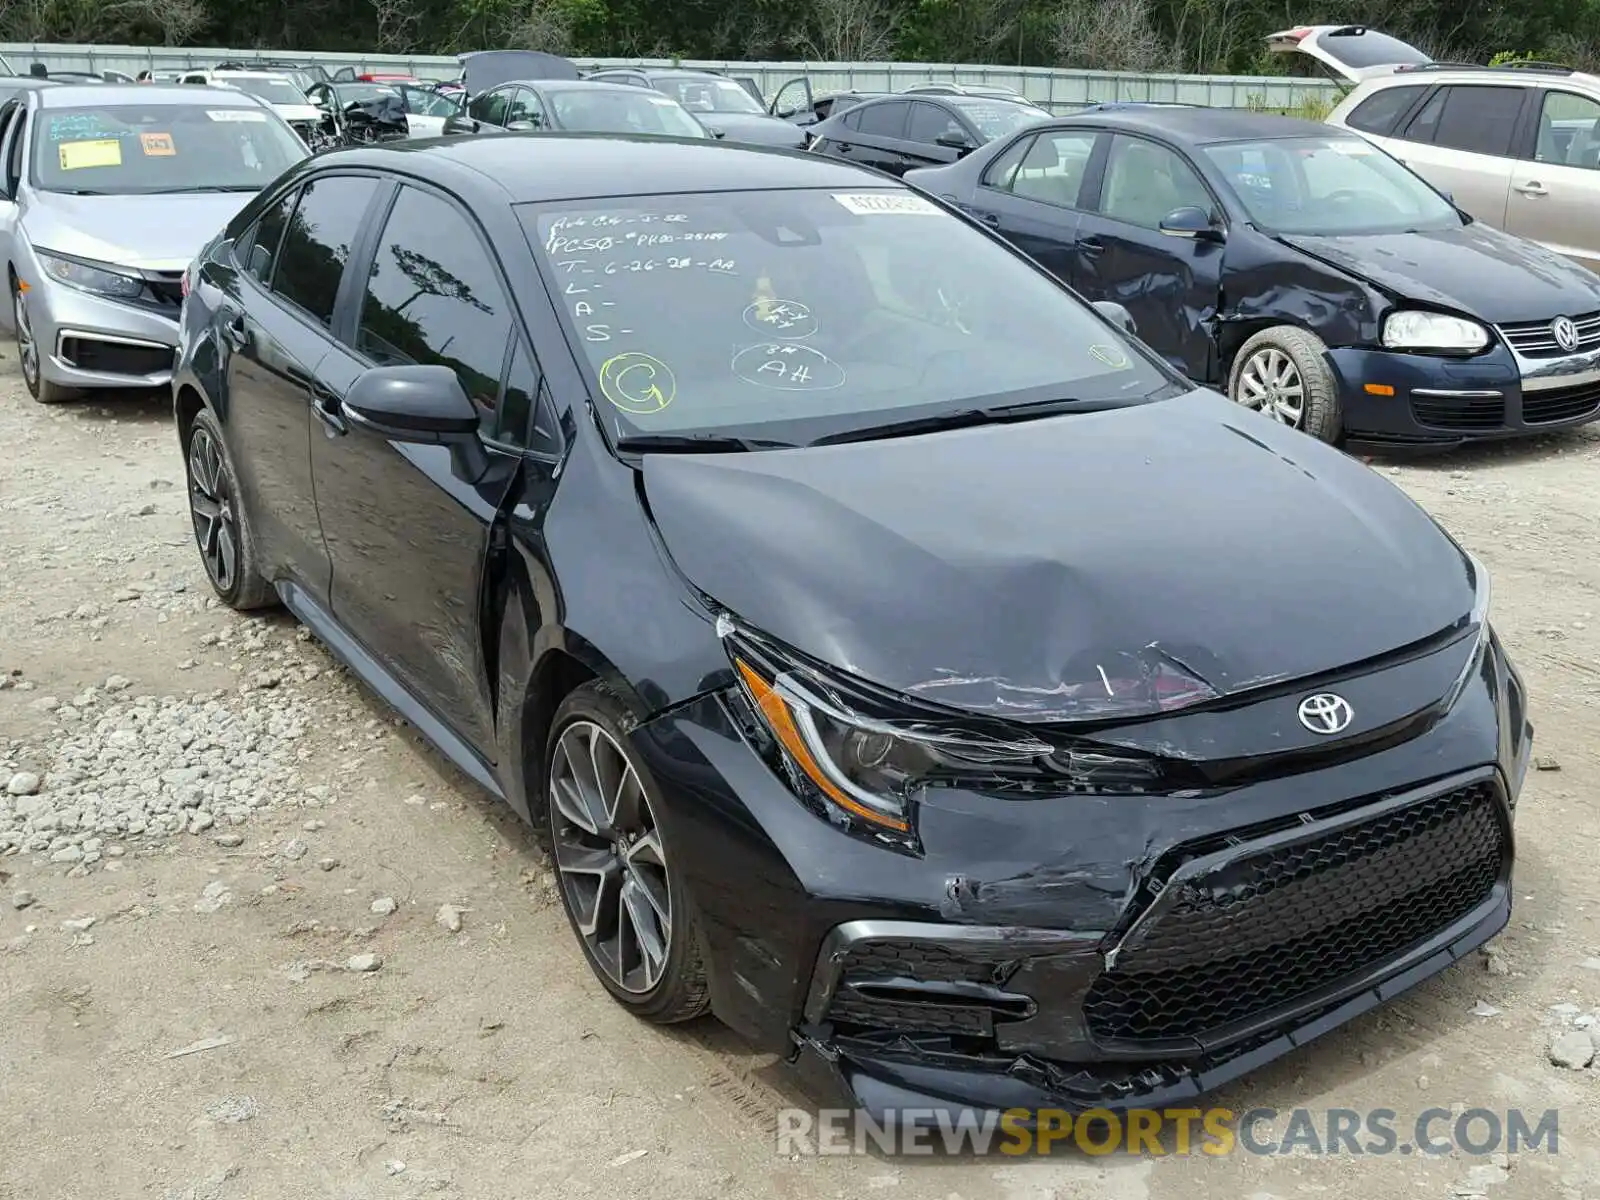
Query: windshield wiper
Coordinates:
[963,418]
[697,443]
[209,187]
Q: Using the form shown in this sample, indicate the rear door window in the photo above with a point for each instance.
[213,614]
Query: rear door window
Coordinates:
[1473,118]
[929,123]
[1054,168]
[885,120]
[1379,113]
[316,245]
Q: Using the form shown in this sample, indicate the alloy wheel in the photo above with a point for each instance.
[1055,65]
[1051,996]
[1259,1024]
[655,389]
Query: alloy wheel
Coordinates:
[211,504]
[27,348]
[608,851]
[1270,383]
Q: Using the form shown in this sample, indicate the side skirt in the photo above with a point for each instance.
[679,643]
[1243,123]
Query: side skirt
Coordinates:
[391,690]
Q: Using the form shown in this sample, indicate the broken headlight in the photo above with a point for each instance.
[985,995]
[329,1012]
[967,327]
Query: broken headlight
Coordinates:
[863,758]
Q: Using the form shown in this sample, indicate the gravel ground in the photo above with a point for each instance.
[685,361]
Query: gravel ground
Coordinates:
[257,941]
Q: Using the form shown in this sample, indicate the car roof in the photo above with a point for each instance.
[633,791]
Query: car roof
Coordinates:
[579,85]
[226,74]
[670,72]
[1204,125]
[73,95]
[573,166]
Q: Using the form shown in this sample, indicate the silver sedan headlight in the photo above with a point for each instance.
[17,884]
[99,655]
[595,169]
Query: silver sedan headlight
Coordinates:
[1413,330]
[96,278]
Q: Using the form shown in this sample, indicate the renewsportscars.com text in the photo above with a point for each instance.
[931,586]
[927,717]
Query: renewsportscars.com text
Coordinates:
[1171,1131]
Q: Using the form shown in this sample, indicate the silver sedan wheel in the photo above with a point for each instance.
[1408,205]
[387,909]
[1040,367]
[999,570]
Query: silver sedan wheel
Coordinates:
[27,348]
[1270,383]
[610,858]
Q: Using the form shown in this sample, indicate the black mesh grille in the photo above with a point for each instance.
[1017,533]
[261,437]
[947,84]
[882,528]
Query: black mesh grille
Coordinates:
[1273,927]
[1560,404]
[1468,413]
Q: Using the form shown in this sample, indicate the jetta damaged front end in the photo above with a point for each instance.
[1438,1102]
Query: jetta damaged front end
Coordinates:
[930,909]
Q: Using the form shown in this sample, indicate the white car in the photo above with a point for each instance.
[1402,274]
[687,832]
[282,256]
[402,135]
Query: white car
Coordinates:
[276,88]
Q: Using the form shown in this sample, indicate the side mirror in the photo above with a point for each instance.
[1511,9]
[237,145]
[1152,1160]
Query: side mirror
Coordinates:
[521,127]
[1117,315]
[1190,222]
[423,404]
[460,125]
[716,133]
[955,141]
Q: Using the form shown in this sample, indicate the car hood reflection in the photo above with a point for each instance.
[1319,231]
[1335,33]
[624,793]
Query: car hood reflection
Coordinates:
[998,569]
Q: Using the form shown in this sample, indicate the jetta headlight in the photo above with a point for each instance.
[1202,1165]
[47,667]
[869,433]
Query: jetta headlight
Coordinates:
[1410,330]
[99,279]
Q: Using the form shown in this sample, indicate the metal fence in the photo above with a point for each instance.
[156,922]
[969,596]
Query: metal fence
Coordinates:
[1057,90]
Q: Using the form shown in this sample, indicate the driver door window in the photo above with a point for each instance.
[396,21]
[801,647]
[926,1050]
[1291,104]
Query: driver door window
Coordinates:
[525,106]
[491,107]
[1144,182]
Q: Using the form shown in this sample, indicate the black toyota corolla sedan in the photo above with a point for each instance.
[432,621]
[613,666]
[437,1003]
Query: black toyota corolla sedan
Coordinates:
[855,611]
[1300,268]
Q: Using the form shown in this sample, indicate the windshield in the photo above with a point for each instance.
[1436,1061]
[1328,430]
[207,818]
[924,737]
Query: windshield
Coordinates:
[1329,185]
[630,111]
[699,94]
[126,149]
[796,315]
[996,118]
[273,91]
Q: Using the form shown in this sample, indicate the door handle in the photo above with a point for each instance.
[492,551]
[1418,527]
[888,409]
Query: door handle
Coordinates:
[844,147]
[325,407]
[1091,246]
[1532,188]
[233,330]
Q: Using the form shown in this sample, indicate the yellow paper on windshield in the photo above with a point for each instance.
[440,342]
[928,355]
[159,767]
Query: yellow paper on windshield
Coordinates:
[102,152]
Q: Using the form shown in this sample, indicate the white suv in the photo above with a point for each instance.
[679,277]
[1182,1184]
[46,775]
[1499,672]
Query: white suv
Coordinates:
[1517,146]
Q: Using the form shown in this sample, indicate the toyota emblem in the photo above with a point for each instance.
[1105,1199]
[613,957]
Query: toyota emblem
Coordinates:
[1565,332]
[1326,713]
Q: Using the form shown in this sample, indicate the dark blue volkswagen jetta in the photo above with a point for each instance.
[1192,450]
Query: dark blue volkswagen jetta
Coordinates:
[1299,268]
[854,610]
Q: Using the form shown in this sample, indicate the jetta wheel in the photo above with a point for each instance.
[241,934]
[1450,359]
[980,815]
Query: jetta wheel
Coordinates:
[40,388]
[220,529]
[1282,373]
[617,882]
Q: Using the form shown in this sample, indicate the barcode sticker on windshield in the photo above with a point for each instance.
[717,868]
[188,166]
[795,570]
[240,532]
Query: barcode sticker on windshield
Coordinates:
[100,152]
[236,114]
[875,204]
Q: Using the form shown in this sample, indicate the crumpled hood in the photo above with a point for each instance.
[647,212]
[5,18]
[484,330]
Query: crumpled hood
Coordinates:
[155,233]
[753,128]
[998,569]
[1474,269]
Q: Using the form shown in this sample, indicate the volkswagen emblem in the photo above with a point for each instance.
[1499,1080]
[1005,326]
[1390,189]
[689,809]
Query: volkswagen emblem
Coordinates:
[1565,332]
[1326,713]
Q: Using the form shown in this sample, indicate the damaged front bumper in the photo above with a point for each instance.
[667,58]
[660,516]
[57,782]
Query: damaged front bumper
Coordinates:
[1115,951]
[1248,952]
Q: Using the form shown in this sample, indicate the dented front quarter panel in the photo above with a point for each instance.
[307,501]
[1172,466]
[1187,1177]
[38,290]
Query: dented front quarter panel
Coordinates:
[1268,283]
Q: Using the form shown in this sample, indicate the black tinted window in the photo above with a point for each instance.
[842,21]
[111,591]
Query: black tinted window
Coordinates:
[316,245]
[929,123]
[523,420]
[1380,113]
[851,120]
[491,108]
[1476,119]
[434,297]
[885,120]
[258,248]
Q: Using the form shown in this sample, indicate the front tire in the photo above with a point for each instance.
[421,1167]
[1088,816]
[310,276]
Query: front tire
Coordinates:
[621,890]
[1283,374]
[29,355]
[221,526]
